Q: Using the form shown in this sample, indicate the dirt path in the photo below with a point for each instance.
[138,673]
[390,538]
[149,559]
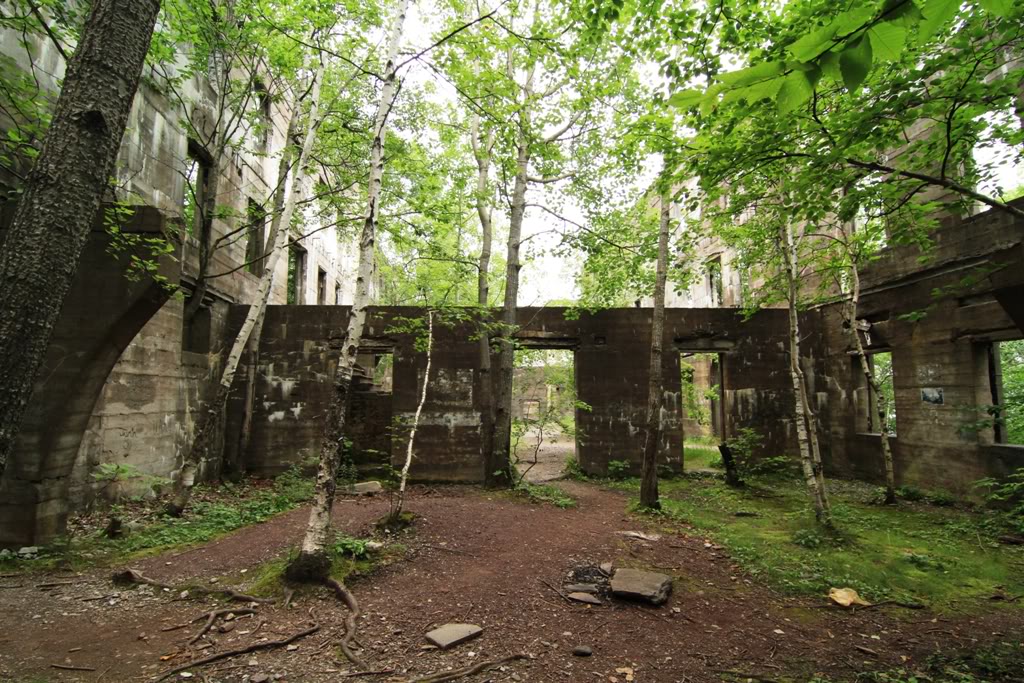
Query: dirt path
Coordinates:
[479,558]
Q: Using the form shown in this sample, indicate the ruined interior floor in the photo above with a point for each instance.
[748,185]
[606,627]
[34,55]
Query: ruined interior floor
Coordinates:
[479,557]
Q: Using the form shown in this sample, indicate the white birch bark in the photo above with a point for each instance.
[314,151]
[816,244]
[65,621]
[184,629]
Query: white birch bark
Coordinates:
[397,512]
[210,419]
[801,418]
[312,561]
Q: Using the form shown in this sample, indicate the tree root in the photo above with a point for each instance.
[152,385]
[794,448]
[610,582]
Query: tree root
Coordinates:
[132,576]
[212,617]
[350,601]
[468,671]
[240,651]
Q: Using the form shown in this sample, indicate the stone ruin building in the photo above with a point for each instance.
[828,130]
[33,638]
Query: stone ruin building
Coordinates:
[126,373]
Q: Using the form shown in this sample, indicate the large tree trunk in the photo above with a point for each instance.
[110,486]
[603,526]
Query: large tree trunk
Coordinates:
[801,418]
[876,388]
[252,353]
[649,470]
[501,471]
[211,419]
[63,192]
[482,153]
[396,510]
[313,562]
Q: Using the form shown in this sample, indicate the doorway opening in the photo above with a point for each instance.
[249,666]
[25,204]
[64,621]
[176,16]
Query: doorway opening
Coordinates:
[544,406]
[703,411]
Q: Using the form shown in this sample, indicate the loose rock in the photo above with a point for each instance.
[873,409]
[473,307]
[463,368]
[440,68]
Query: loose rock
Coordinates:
[592,588]
[582,651]
[451,635]
[585,597]
[644,586]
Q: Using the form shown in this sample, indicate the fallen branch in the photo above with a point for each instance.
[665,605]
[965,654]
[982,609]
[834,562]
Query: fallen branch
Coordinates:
[131,576]
[68,667]
[212,617]
[360,674]
[350,621]
[866,650]
[267,645]
[468,671]
[560,593]
[741,674]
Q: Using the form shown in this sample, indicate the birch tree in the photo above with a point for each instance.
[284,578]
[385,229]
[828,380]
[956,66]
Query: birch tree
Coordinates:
[212,416]
[63,192]
[313,563]
[655,385]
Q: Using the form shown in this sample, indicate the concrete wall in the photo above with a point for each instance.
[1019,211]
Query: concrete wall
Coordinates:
[298,359]
[144,416]
[957,289]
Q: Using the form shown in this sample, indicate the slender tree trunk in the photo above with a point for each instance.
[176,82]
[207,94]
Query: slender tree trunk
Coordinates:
[649,470]
[312,562]
[211,418]
[253,349]
[396,512]
[482,154]
[63,192]
[873,386]
[502,469]
[802,419]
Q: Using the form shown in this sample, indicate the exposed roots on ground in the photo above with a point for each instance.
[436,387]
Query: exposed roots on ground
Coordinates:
[131,576]
[468,671]
[212,617]
[350,601]
[266,645]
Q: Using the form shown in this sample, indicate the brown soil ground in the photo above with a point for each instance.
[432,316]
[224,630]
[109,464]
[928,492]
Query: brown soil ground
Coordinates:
[481,558]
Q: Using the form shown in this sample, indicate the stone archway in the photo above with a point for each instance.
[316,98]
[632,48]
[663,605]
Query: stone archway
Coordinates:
[102,314]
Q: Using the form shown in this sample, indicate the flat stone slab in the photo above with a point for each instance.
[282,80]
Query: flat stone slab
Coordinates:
[583,588]
[585,597]
[637,584]
[451,635]
[366,488]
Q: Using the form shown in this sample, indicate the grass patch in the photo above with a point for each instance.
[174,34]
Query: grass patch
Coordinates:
[350,558]
[545,493]
[214,512]
[912,553]
[700,455]
[992,664]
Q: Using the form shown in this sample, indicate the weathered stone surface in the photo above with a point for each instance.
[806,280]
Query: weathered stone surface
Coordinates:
[585,597]
[582,588]
[637,584]
[582,651]
[451,635]
[366,488]
[607,568]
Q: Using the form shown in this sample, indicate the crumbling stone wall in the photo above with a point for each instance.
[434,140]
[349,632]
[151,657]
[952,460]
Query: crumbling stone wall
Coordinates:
[300,346]
[937,318]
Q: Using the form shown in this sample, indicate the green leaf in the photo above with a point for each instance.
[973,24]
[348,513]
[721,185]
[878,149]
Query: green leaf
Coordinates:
[812,44]
[855,63]
[765,89]
[936,14]
[1000,8]
[751,74]
[830,66]
[887,39]
[796,89]
[686,98]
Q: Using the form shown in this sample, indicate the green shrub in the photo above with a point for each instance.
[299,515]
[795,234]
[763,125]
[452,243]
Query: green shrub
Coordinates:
[618,469]
[942,498]
[572,469]
[911,493]
[1007,497]
[808,538]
